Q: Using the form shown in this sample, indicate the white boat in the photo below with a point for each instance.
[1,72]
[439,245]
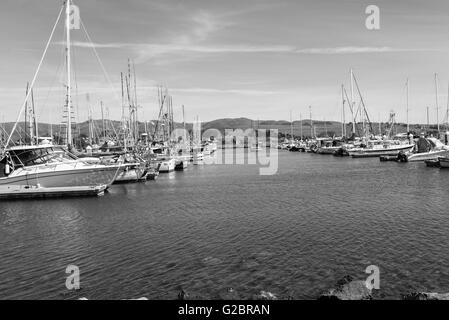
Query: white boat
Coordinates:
[379,148]
[431,155]
[133,172]
[167,165]
[428,149]
[50,166]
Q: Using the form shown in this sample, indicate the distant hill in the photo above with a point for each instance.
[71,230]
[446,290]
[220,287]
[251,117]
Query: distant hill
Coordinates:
[320,128]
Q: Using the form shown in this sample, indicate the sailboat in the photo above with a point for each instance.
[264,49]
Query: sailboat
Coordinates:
[372,147]
[49,166]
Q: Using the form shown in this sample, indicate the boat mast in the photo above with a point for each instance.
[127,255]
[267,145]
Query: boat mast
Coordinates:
[436,100]
[136,120]
[26,113]
[291,126]
[33,110]
[300,123]
[343,123]
[408,125]
[447,110]
[311,123]
[69,84]
[380,125]
[352,102]
[184,124]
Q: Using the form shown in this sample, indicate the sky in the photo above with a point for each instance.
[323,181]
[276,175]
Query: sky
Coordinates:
[260,59]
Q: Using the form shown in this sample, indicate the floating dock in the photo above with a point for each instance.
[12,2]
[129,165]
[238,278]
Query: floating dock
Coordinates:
[33,192]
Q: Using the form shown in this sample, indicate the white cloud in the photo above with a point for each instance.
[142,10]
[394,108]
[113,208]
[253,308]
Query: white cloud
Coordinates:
[156,49]
[228,91]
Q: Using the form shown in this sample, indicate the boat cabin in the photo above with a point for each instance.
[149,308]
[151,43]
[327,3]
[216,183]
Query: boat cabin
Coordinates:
[24,156]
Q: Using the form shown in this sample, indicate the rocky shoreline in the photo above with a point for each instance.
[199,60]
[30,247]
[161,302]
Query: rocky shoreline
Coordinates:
[346,288]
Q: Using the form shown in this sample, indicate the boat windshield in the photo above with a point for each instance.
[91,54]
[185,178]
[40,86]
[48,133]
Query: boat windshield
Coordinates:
[36,156]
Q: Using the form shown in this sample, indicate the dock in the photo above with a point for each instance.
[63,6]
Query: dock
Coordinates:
[36,192]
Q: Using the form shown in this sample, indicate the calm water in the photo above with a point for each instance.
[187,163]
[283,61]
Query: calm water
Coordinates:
[214,226]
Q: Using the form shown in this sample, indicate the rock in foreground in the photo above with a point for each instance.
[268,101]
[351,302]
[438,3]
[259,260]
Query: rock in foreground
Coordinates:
[426,296]
[348,289]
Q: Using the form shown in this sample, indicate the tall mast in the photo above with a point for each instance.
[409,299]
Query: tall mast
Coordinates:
[325,125]
[184,124]
[69,84]
[408,125]
[26,112]
[102,120]
[291,126]
[436,100]
[352,102]
[380,126]
[36,126]
[311,123]
[300,123]
[343,123]
[135,104]
[428,123]
[447,110]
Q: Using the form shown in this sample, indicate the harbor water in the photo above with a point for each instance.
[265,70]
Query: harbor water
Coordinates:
[215,227]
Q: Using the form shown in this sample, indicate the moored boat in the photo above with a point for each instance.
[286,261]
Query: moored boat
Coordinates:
[377,150]
[428,149]
[50,166]
[167,165]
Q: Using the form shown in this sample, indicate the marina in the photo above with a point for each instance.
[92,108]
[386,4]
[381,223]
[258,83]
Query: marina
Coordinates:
[145,154]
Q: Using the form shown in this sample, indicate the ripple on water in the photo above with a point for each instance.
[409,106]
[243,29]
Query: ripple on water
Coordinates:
[226,232]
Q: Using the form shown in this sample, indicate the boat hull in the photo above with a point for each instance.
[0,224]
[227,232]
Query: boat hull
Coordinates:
[327,150]
[369,153]
[167,166]
[32,192]
[90,176]
[427,155]
[444,163]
